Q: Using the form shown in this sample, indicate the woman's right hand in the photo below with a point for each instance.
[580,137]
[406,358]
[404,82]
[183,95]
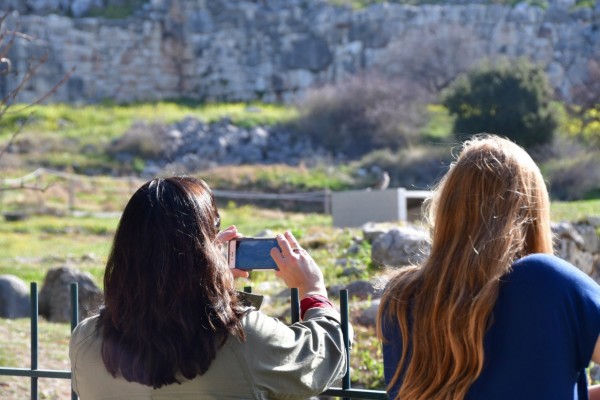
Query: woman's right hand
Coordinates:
[297,268]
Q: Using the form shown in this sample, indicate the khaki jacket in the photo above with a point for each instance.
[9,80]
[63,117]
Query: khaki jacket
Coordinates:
[275,362]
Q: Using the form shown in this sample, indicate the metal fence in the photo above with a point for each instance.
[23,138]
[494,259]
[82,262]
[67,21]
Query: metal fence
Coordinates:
[345,392]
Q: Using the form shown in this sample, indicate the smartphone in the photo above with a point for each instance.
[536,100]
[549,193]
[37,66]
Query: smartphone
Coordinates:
[252,253]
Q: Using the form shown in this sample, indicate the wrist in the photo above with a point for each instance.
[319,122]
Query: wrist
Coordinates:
[319,291]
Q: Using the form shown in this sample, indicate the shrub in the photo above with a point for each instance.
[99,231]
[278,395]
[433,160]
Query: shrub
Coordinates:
[512,100]
[141,140]
[362,113]
[584,107]
[572,170]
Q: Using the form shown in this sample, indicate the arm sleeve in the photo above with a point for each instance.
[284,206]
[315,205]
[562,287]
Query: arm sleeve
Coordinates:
[568,297]
[293,362]
[586,312]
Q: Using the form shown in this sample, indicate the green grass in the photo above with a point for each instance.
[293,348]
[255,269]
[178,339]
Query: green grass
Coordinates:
[111,120]
[279,178]
[29,248]
[574,210]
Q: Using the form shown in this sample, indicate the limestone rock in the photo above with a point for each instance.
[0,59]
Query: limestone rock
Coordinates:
[276,50]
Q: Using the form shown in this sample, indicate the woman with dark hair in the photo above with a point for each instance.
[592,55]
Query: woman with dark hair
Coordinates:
[491,313]
[173,325]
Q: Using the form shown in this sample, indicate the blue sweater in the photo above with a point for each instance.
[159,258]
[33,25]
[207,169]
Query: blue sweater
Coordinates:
[545,324]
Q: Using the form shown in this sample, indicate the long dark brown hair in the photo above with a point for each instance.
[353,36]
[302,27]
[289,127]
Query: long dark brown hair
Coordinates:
[170,301]
[490,209]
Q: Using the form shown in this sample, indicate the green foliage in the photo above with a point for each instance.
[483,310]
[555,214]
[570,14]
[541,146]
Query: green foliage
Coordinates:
[585,3]
[512,100]
[439,124]
[124,9]
[583,125]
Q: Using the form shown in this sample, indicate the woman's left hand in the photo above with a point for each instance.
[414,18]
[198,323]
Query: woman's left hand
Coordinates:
[225,236]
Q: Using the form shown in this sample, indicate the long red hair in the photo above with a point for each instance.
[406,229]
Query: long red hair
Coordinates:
[490,209]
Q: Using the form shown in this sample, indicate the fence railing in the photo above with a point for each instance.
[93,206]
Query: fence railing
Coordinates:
[33,372]
[345,392]
[43,180]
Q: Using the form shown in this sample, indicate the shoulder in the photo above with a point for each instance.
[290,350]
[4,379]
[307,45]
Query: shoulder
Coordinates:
[548,268]
[86,331]
[546,274]
[542,260]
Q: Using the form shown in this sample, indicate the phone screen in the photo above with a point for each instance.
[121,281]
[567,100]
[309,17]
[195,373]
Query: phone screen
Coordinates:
[254,253]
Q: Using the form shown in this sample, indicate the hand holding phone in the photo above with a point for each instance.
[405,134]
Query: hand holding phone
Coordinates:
[297,268]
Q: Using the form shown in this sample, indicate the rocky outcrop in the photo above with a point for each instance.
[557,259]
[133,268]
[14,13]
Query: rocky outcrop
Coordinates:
[579,244]
[191,145]
[270,50]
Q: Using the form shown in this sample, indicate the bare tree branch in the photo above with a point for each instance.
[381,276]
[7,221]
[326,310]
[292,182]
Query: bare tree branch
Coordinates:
[8,38]
[25,187]
[12,139]
[51,91]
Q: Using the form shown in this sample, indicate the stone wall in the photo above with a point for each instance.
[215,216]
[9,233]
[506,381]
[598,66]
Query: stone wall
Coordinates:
[270,50]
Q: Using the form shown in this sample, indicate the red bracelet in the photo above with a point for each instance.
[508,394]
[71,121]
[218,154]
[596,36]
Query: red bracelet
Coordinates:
[314,301]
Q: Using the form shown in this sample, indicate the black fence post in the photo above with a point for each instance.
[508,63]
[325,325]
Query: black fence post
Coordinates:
[74,322]
[33,293]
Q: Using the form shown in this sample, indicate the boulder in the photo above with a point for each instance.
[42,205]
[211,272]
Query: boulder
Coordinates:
[368,316]
[363,290]
[372,231]
[400,247]
[55,295]
[14,297]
